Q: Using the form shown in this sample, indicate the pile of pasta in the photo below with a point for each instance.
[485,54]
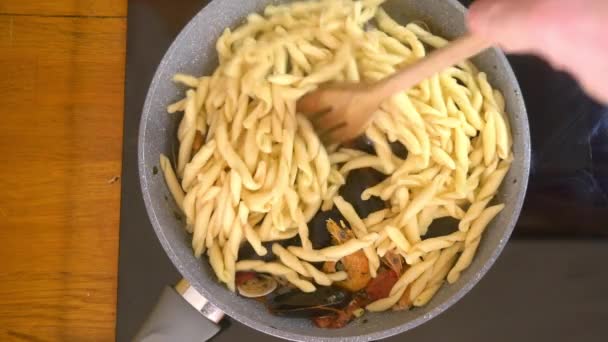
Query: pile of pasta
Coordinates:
[250,169]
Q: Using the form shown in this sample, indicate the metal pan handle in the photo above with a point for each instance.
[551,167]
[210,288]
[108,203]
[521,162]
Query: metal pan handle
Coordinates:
[177,317]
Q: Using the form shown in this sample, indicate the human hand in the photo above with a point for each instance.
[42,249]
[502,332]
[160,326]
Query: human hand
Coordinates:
[571,35]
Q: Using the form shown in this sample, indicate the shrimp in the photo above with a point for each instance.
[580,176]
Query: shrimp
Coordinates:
[355,265]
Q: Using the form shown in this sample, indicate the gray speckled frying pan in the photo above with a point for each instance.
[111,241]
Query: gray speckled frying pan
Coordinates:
[194,52]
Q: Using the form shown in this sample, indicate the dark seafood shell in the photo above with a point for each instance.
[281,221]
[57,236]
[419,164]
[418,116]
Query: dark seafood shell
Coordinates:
[296,303]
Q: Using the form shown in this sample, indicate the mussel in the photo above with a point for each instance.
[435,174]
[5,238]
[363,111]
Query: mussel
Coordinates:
[323,301]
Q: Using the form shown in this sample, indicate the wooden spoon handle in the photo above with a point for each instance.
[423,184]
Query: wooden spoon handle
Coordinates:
[440,59]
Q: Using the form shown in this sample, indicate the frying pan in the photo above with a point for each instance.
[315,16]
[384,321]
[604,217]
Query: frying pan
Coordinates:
[193,52]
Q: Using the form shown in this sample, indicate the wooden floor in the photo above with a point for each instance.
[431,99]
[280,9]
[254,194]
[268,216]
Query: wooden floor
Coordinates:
[61,116]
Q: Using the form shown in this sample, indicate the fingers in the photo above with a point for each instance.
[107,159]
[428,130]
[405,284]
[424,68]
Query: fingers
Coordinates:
[508,22]
[569,34]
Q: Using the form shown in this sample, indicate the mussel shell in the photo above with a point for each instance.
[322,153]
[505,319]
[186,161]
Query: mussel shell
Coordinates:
[300,304]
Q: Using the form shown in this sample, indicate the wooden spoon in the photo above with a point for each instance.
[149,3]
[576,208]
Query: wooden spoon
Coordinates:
[341,112]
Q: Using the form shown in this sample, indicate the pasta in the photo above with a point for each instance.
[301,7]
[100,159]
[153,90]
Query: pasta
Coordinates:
[277,269]
[305,269]
[250,169]
[171,179]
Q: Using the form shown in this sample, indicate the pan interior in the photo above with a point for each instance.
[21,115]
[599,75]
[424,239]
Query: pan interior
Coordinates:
[193,52]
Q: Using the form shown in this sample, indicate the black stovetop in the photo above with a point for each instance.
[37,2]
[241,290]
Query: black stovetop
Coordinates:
[567,199]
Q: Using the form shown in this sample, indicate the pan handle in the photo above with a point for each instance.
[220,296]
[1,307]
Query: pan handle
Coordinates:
[177,317]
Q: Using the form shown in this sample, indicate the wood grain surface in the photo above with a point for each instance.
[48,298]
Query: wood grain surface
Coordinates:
[61,119]
[88,8]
